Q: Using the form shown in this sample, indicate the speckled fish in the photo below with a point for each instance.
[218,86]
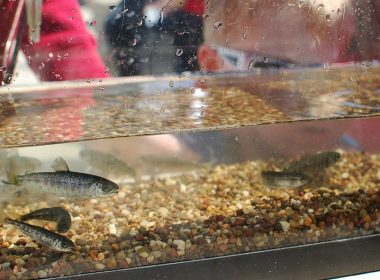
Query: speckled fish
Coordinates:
[45,237]
[284,179]
[53,214]
[312,163]
[65,183]
[107,163]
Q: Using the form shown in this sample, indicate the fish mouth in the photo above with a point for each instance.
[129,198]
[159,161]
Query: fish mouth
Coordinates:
[110,193]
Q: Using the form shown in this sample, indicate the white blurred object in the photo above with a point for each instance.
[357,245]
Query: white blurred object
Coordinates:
[152,16]
[23,74]
[365,276]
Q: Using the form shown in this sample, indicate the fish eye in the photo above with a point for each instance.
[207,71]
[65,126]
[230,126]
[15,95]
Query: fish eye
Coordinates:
[106,188]
[66,244]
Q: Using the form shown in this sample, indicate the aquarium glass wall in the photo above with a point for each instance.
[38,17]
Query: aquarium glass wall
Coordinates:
[136,133]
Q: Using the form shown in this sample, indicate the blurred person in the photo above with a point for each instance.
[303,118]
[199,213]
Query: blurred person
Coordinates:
[184,21]
[133,25]
[65,51]
[277,32]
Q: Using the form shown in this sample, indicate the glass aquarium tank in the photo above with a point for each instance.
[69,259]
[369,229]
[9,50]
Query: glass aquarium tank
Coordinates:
[233,149]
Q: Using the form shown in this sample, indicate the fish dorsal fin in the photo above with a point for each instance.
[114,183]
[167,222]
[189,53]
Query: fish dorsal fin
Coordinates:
[60,165]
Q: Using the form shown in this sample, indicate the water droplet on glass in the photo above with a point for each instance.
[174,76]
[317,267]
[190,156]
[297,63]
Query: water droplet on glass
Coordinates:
[320,6]
[93,23]
[107,71]
[3,68]
[218,25]
[328,18]
[111,7]
[179,52]
[70,18]
[202,81]
[245,35]
[171,83]
[134,42]
[265,59]
[51,55]
[101,89]
[338,11]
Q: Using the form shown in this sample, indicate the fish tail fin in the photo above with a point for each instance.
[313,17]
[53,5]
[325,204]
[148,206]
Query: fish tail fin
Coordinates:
[8,217]
[12,177]
[4,219]
[12,180]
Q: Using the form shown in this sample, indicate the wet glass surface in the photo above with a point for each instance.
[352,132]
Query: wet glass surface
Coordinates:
[257,129]
[122,107]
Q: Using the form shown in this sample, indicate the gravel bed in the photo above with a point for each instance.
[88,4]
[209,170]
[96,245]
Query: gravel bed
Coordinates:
[211,212]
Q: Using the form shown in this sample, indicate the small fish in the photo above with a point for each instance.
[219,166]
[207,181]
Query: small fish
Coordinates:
[161,164]
[65,183]
[314,163]
[54,214]
[284,179]
[107,163]
[45,237]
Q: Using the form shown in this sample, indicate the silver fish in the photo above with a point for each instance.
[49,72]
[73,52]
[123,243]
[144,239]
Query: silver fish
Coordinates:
[65,183]
[107,163]
[314,163]
[45,237]
[284,179]
[54,214]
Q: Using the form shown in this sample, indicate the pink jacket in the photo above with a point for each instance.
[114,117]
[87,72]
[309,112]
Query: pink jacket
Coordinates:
[67,50]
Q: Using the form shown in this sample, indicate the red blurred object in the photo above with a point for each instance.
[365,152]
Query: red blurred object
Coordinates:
[12,23]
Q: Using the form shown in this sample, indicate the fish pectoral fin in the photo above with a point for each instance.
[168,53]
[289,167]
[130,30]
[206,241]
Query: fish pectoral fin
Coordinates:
[60,165]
